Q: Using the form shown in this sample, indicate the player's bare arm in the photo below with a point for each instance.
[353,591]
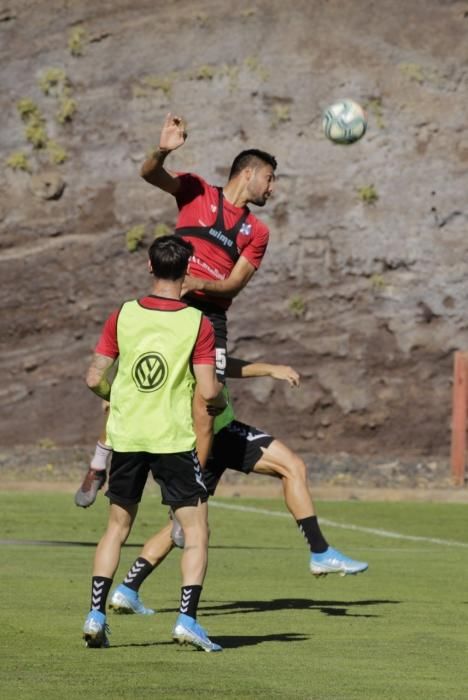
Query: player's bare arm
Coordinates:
[208,397]
[173,135]
[96,376]
[208,386]
[240,369]
[240,275]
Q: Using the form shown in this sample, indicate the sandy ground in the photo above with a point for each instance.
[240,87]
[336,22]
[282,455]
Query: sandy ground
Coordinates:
[331,477]
[255,489]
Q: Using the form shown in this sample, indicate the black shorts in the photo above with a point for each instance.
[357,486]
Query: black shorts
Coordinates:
[178,474]
[218,320]
[238,446]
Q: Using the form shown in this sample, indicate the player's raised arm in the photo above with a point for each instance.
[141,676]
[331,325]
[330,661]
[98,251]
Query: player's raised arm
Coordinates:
[173,135]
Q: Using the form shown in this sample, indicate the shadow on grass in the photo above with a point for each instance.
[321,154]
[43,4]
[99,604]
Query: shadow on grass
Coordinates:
[233,641]
[53,543]
[227,642]
[139,545]
[327,607]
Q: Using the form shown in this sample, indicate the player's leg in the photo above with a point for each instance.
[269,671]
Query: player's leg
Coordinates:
[244,448]
[279,461]
[183,489]
[194,561]
[127,479]
[107,556]
[95,476]
[106,561]
[125,599]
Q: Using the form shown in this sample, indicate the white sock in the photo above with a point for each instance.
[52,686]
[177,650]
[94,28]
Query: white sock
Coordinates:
[101,456]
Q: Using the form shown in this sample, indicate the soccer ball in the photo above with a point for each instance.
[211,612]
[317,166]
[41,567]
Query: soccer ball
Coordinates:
[344,122]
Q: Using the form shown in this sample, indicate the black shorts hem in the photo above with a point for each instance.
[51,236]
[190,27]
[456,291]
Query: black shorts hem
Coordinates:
[121,500]
[186,502]
[248,468]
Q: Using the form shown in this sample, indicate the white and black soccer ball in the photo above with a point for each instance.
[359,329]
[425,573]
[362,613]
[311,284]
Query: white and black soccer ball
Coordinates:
[344,121]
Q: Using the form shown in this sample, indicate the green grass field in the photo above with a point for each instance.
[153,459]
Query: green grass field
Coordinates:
[398,631]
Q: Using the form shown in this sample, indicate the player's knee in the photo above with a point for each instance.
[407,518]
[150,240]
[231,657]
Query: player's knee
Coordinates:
[118,531]
[297,469]
[196,534]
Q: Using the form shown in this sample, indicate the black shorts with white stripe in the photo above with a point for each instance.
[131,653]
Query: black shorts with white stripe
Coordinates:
[238,446]
[178,474]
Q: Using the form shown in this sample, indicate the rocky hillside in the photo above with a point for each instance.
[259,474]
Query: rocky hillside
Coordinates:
[364,287]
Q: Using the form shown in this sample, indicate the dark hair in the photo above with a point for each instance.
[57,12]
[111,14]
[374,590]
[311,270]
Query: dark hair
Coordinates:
[246,158]
[169,257]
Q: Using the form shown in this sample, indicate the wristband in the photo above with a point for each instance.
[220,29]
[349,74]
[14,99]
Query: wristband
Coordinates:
[161,152]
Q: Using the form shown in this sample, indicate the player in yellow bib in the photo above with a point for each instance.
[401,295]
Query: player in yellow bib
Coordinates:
[163,348]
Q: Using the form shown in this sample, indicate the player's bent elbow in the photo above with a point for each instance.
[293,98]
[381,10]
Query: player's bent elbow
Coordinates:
[149,173]
[92,379]
[212,393]
[234,290]
[208,395]
[145,174]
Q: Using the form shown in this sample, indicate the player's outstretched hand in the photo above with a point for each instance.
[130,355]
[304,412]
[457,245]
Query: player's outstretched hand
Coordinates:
[286,373]
[173,133]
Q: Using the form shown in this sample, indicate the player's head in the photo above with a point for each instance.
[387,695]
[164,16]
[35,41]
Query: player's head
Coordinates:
[252,158]
[257,168]
[169,257]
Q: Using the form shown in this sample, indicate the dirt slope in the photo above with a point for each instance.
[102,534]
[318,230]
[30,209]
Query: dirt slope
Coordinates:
[367,300]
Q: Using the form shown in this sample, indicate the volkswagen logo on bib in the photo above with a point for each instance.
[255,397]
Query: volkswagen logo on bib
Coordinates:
[149,371]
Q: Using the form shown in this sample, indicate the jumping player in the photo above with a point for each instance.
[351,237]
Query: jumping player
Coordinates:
[229,243]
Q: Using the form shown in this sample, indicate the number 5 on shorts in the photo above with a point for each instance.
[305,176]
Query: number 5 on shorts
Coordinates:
[221,359]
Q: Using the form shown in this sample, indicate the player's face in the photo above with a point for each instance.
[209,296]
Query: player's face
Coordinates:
[261,185]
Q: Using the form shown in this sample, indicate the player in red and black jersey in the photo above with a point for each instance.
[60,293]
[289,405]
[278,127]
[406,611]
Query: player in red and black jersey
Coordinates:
[229,241]
[229,244]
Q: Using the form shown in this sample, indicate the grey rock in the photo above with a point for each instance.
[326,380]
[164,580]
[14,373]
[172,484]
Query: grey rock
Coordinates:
[47,185]
[383,288]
